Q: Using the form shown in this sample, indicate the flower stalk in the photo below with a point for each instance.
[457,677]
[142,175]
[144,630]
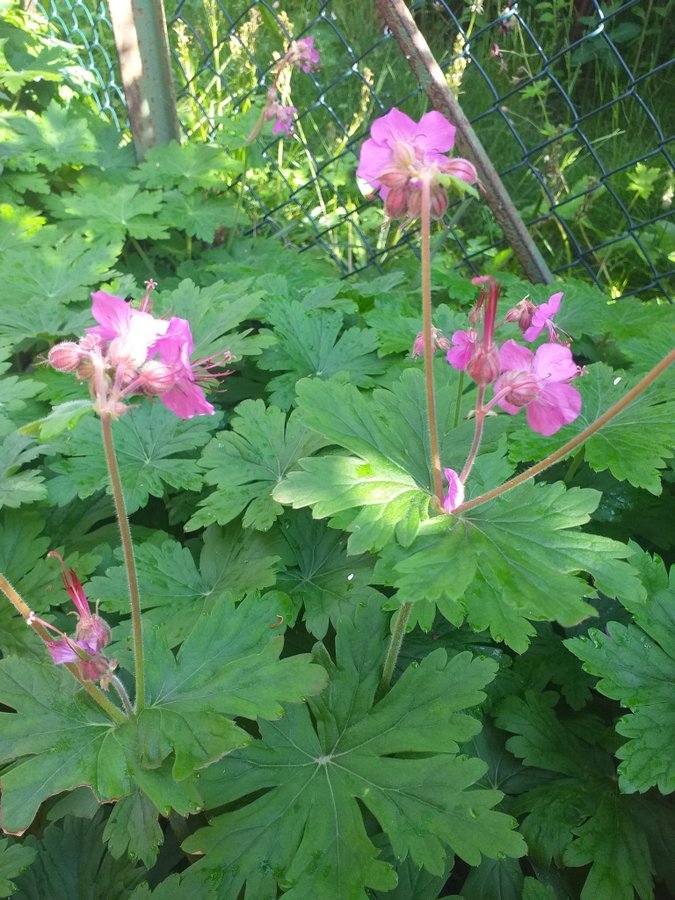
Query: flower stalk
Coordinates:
[129,559]
[395,643]
[574,442]
[429,347]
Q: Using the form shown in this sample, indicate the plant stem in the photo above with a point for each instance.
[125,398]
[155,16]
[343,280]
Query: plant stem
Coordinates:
[143,255]
[27,614]
[574,442]
[124,697]
[477,435]
[458,401]
[129,561]
[397,635]
[429,342]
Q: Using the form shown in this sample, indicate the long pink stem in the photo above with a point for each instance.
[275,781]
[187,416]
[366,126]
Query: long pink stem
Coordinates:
[477,435]
[427,333]
[129,560]
[574,442]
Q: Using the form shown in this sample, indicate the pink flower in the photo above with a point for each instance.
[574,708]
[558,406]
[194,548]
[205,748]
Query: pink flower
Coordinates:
[438,339]
[455,494]
[540,383]
[92,633]
[400,153]
[303,55]
[184,396]
[464,344]
[284,117]
[130,332]
[542,317]
[479,358]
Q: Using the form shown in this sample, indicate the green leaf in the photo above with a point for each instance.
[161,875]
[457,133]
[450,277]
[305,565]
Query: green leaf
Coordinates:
[71,854]
[112,209]
[634,446]
[384,491]
[397,758]
[58,137]
[44,277]
[233,562]
[636,666]
[63,417]
[320,575]
[14,860]
[310,344]
[132,829]
[18,487]
[247,463]
[153,447]
[15,390]
[579,818]
[199,216]
[514,559]
[214,313]
[17,226]
[189,167]
[496,879]
[617,849]
[228,666]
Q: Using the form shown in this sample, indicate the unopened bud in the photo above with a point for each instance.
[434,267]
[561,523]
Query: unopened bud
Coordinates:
[93,631]
[396,204]
[156,377]
[522,314]
[484,366]
[521,388]
[439,201]
[65,357]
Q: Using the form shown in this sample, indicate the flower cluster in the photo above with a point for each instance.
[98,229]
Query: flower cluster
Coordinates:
[92,634]
[539,381]
[401,155]
[130,352]
[303,55]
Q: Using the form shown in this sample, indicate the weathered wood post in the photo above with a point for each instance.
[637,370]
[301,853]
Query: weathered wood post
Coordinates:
[139,27]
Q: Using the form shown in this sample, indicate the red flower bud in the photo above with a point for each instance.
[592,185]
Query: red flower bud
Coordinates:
[484,366]
[65,357]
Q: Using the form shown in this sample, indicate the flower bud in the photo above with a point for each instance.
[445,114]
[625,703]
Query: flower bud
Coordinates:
[521,313]
[65,357]
[484,365]
[396,204]
[93,631]
[461,169]
[156,378]
[520,388]
[439,201]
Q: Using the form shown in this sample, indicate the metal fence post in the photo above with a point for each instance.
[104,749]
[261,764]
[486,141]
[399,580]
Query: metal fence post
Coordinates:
[430,76]
[139,27]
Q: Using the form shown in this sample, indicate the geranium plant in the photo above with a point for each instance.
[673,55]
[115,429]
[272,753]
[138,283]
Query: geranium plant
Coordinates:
[347,624]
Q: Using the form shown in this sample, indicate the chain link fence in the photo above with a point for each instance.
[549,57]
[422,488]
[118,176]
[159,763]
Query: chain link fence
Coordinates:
[569,97]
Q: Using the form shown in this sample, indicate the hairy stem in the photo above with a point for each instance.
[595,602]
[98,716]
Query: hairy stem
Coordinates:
[477,435]
[129,561]
[574,442]
[122,693]
[397,635]
[427,334]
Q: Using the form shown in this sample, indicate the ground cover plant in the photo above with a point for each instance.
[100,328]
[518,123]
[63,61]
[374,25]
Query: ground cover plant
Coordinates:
[370,576]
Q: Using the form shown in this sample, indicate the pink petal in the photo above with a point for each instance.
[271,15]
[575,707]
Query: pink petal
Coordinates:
[554,362]
[395,126]
[553,304]
[557,405]
[374,159]
[462,169]
[455,494]
[436,132]
[186,399]
[61,652]
[112,314]
[515,356]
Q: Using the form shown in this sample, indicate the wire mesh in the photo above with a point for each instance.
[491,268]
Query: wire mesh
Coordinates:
[569,98]
[87,26]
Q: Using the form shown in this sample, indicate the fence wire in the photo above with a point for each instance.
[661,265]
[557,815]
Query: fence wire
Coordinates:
[571,100]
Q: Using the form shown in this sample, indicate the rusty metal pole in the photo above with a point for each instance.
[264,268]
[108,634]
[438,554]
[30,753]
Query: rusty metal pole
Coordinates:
[139,27]
[430,76]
